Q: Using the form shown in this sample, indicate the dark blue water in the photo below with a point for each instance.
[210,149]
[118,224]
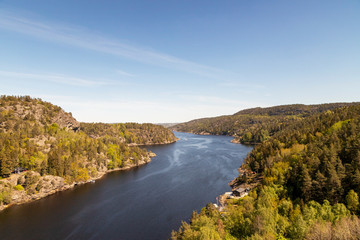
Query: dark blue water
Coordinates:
[143,203]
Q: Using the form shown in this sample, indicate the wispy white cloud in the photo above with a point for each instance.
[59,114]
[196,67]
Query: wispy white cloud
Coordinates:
[84,38]
[121,72]
[57,78]
[241,85]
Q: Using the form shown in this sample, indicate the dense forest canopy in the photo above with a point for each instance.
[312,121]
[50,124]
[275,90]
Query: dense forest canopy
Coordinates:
[141,134]
[310,183]
[300,110]
[255,125]
[41,137]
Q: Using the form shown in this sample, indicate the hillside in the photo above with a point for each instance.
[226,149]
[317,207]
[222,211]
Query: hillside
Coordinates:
[130,133]
[56,152]
[309,176]
[300,110]
[255,125]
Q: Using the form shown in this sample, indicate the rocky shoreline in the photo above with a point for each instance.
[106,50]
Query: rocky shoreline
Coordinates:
[152,144]
[52,184]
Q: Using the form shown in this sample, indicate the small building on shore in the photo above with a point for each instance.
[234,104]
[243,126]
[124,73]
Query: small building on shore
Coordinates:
[241,192]
[19,170]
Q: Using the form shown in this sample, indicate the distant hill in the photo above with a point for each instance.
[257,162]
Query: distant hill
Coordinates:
[167,125]
[256,124]
[294,109]
[131,133]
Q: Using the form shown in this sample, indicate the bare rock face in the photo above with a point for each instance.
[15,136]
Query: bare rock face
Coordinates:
[50,183]
[64,119]
[43,113]
[33,186]
[13,179]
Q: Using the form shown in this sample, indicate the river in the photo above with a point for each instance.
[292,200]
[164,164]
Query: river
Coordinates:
[143,203]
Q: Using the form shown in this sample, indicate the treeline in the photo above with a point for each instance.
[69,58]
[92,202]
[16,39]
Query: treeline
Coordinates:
[300,110]
[267,213]
[310,185]
[38,136]
[142,134]
[322,152]
[255,125]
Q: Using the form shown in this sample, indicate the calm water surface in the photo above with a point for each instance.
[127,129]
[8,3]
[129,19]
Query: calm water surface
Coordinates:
[143,203]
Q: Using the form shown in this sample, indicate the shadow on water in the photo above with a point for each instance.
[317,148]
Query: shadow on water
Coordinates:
[142,203]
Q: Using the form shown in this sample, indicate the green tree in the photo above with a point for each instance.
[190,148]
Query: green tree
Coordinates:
[6,163]
[352,201]
[306,184]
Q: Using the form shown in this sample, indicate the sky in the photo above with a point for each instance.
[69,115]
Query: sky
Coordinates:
[177,60]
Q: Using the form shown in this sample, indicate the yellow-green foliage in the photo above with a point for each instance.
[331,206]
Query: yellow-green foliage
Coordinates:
[257,125]
[19,187]
[36,160]
[113,152]
[337,126]
[130,132]
[82,175]
[53,128]
[265,215]
[115,155]
[294,149]
[309,169]
[277,173]
[352,201]
[36,143]
[5,194]
[206,225]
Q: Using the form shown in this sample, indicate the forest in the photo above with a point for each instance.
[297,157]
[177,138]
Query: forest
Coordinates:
[40,137]
[310,183]
[131,133]
[255,125]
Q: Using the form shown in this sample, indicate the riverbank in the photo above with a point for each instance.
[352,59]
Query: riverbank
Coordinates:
[155,197]
[152,144]
[239,189]
[49,184]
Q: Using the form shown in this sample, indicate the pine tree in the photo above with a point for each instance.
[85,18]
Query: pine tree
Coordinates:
[306,184]
[356,180]
[319,186]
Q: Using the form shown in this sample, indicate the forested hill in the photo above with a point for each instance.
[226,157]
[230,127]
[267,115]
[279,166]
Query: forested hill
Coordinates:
[256,124]
[309,175]
[44,139]
[130,133]
[300,110]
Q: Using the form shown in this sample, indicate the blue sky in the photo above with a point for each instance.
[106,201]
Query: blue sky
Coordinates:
[174,61]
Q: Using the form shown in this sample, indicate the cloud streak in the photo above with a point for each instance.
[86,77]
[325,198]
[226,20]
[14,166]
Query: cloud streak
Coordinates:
[83,38]
[123,73]
[62,79]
